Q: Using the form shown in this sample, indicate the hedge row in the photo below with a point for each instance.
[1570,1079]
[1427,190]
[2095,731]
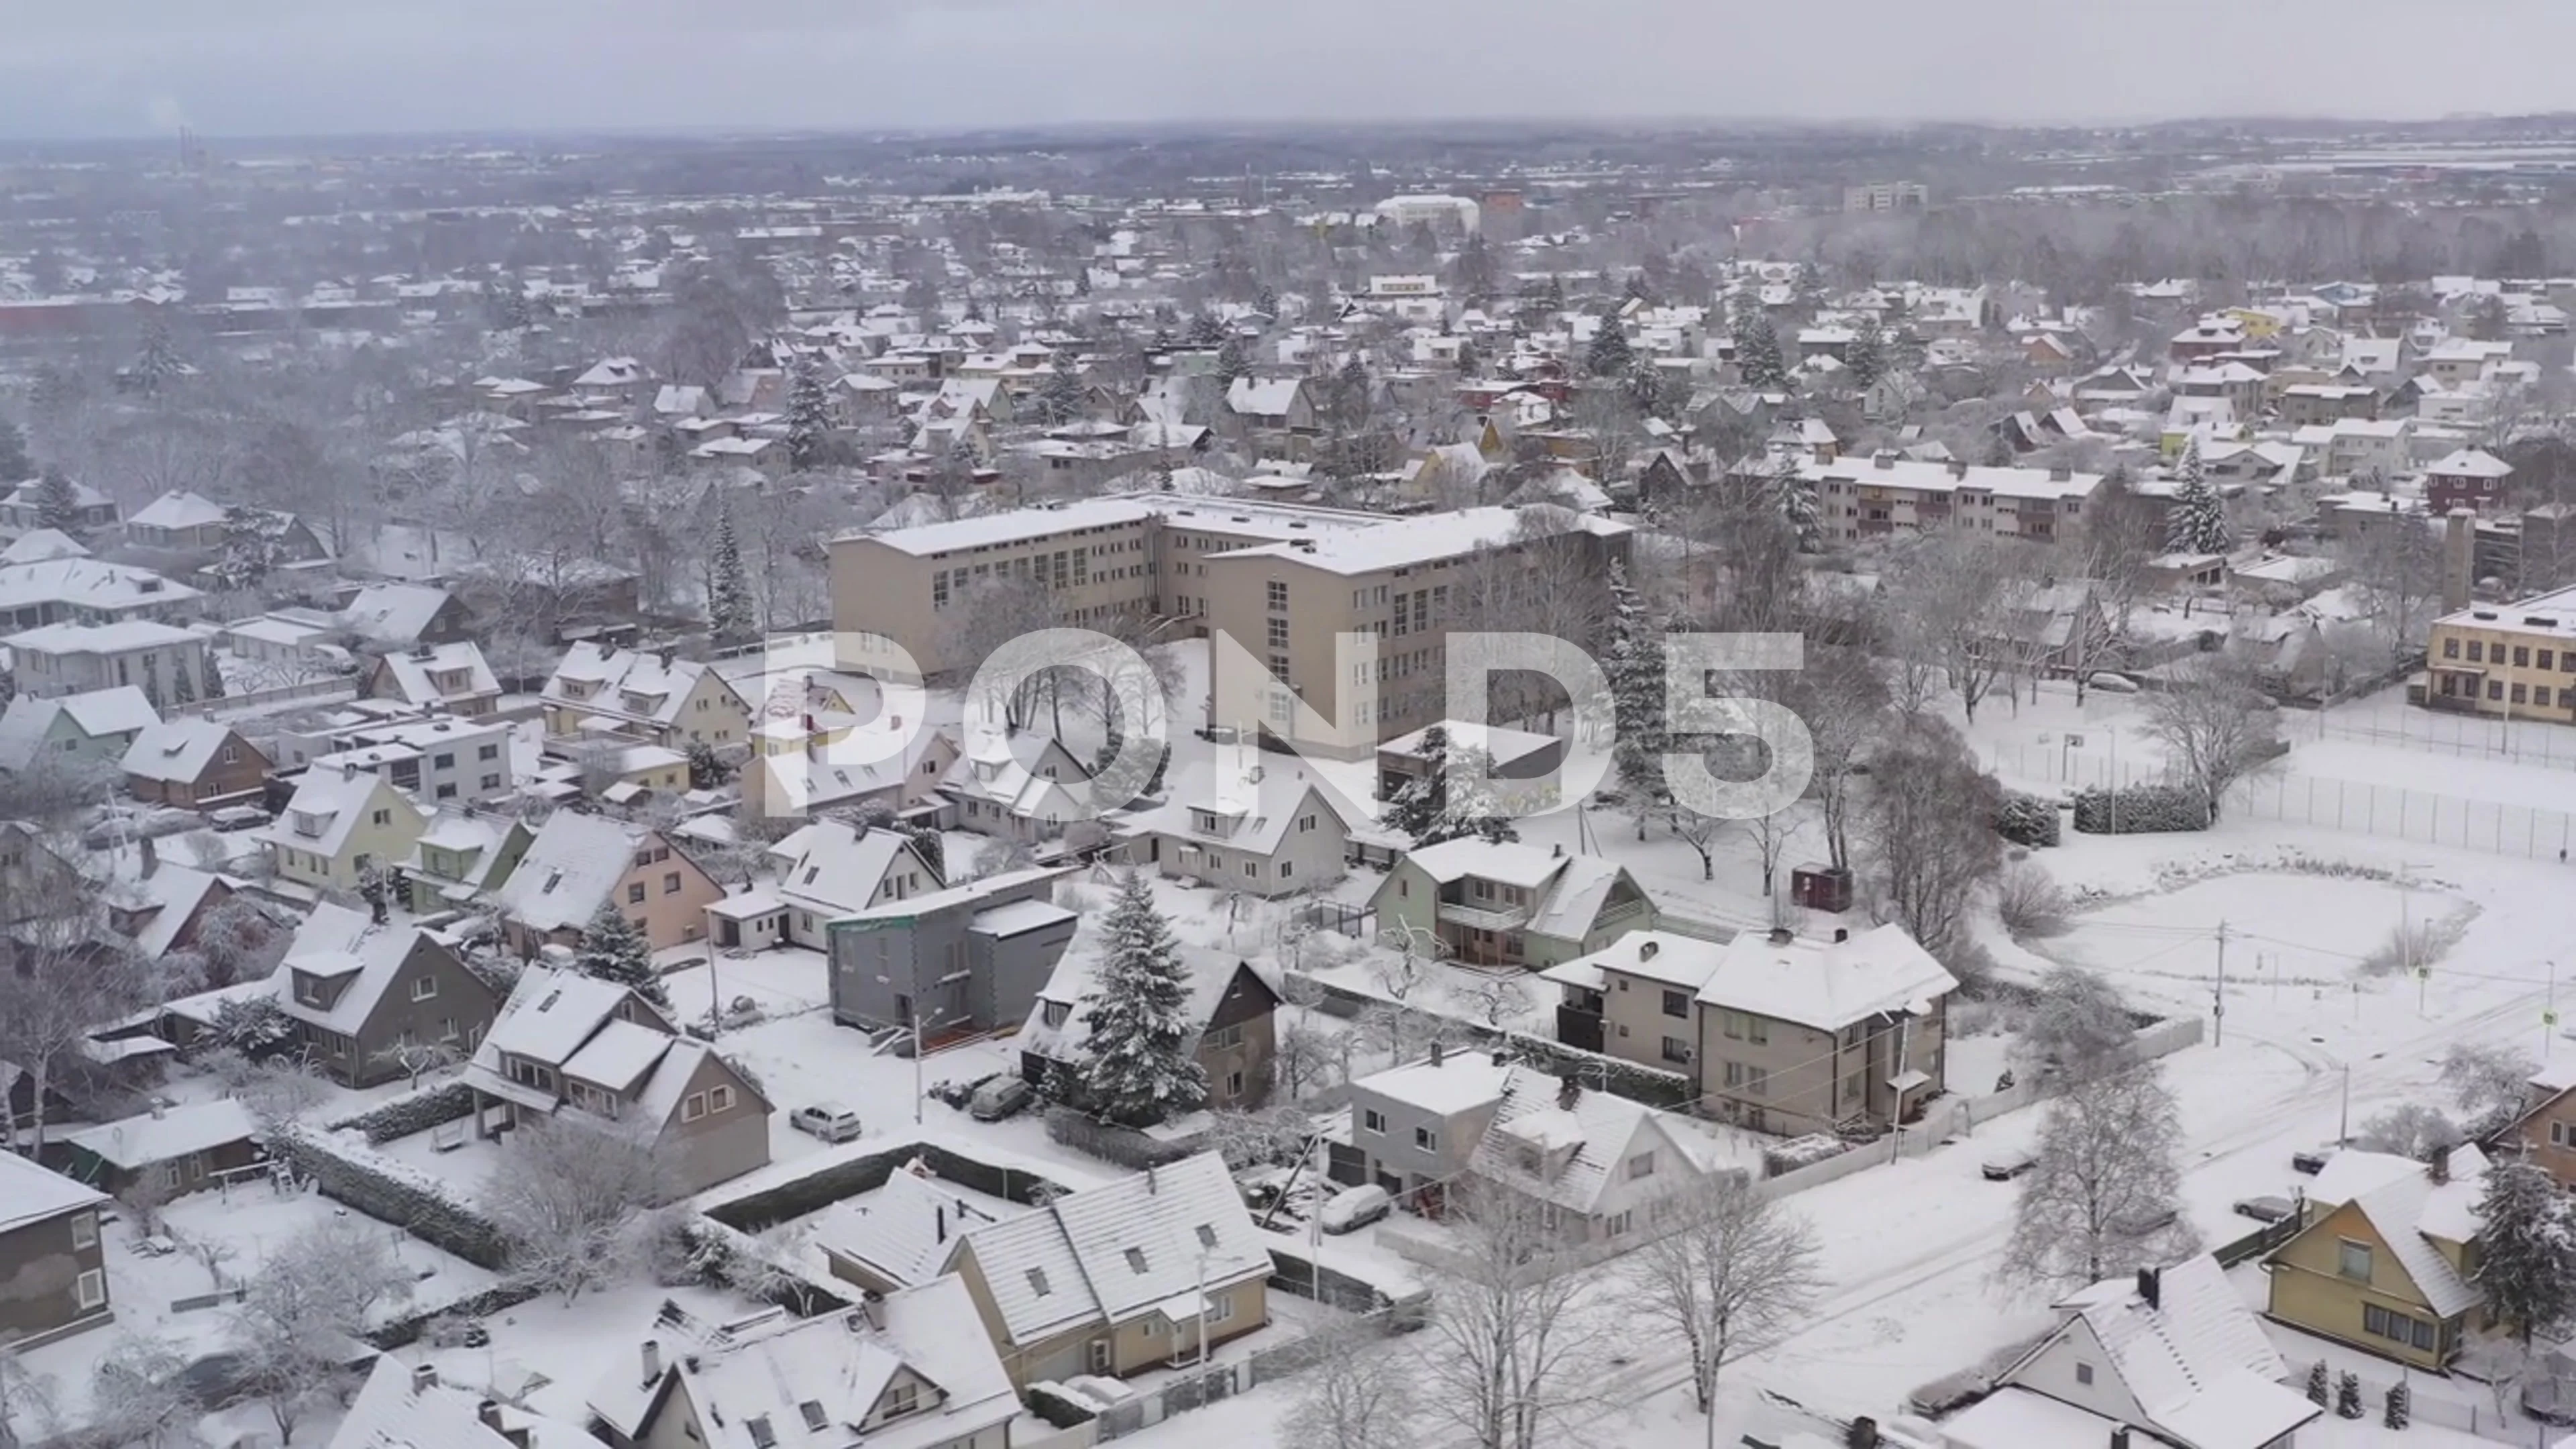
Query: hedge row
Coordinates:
[412,1112]
[2027,820]
[390,1192]
[838,1178]
[2141,810]
[1121,1146]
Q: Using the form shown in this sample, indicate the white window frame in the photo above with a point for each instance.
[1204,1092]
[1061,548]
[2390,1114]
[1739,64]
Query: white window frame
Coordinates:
[693,1107]
[1373,1121]
[85,1231]
[424,988]
[719,1099]
[90,1288]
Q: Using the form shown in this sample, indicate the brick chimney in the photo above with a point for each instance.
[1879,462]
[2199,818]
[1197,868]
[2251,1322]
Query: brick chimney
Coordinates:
[652,1361]
[2439,1167]
[2151,1285]
[424,1376]
[1568,1092]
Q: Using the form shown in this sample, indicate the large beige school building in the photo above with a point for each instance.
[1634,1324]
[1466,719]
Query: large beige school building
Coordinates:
[1282,582]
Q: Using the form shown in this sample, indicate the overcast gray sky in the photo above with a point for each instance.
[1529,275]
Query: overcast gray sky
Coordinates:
[140,67]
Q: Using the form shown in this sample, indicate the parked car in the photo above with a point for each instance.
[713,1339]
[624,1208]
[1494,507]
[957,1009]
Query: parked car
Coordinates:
[1356,1207]
[2269,1208]
[829,1121]
[238,817]
[2007,1165]
[999,1098]
[2313,1160]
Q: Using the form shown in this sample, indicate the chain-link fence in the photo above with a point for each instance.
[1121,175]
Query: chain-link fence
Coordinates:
[2396,813]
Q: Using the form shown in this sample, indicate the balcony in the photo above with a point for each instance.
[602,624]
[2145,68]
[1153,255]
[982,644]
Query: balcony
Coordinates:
[1483,918]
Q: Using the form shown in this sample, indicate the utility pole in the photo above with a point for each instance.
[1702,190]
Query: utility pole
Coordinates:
[2218,1009]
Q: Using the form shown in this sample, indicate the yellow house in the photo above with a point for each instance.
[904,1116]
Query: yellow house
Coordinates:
[2386,1260]
[2510,661]
[653,697]
[2259,323]
[343,822]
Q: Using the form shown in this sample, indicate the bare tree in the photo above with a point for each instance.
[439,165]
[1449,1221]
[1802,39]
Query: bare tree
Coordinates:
[2487,1081]
[2397,561]
[2103,1198]
[2409,1129]
[2216,727]
[1358,1394]
[2078,1028]
[56,991]
[139,1393]
[303,1313]
[28,1408]
[1844,700]
[1953,590]
[1771,835]
[1728,1269]
[571,1202]
[1931,825]
[415,1059]
[1516,1347]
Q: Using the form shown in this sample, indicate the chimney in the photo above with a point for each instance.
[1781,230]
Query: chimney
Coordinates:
[159,1108]
[1151,1187]
[1782,935]
[1437,1053]
[2459,558]
[2061,474]
[2151,1285]
[1864,1433]
[151,856]
[652,1362]
[1646,949]
[1841,934]
[2120,1437]
[1959,468]
[2439,1168]
[1883,458]
[872,1309]
[1557,851]
[1568,1092]
[941,1213]
[424,1376]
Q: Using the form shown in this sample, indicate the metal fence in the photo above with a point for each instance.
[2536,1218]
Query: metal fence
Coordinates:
[2396,813]
[2458,736]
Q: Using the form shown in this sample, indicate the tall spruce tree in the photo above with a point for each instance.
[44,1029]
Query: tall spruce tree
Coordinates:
[2198,521]
[730,619]
[1757,353]
[1232,362]
[1794,494]
[1060,396]
[2526,1250]
[57,501]
[809,418]
[1609,355]
[1137,1067]
[1634,671]
[613,948]
[1866,358]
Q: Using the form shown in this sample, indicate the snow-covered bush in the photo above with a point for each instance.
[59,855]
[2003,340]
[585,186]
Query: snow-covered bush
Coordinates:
[2030,900]
[2027,820]
[2399,1407]
[2140,810]
[2348,1395]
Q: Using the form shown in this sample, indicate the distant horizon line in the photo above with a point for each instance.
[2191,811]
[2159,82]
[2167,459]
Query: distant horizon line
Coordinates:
[509,137]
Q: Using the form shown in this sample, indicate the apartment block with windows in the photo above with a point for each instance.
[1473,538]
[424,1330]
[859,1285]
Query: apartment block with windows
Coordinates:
[2512,661]
[1884,493]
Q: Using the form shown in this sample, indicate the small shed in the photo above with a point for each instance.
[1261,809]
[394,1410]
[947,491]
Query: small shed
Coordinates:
[168,1150]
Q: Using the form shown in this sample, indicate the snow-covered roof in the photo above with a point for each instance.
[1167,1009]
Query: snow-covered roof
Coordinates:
[1507,862]
[99,712]
[834,866]
[373,958]
[930,540]
[781,1382]
[1581,1141]
[1116,1250]
[618,1056]
[395,1409]
[1825,984]
[2195,1360]
[905,1231]
[569,869]
[178,508]
[1455,1082]
[335,798]
[2408,1209]
[176,751]
[550,1015]
[39,544]
[1076,977]
[29,1193]
[123,637]
[1890,471]
[1423,538]
[171,893]
[173,1132]
[632,684]
[88,583]
[413,672]
[2469,463]
[394,614]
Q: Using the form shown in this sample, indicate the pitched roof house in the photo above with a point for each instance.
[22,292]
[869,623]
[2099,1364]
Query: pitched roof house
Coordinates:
[826,869]
[906,1371]
[568,1040]
[404,1406]
[462,855]
[579,862]
[49,1254]
[657,699]
[372,1003]
[405,616]
[1507,904]
[341,823]
[1015,787]
[2173,1355]
[1231,1012]
[193,762]
[97,727]
[2384,1261]
[180,521]
[1120,1277]
[452,677]
[169,1151]
[1273,835]
[900,1235]
[1780,1032]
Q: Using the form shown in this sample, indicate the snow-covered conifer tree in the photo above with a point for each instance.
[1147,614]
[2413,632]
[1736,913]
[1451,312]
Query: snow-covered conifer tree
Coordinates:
[729,612]
[2198,522]
[613,948]
[1138,1068]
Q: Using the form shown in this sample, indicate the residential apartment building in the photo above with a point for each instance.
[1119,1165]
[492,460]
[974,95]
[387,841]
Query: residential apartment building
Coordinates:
[2471,478]
[1282,581]
[169,664]
[1887,493]
[1779,1033]
[965,959]
[2512,661]
[437,760]
[1887,196]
